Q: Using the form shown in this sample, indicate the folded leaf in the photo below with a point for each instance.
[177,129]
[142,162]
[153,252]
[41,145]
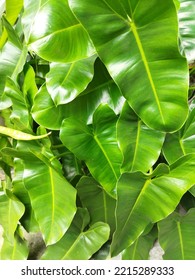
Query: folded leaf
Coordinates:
[142,201]
[143,38]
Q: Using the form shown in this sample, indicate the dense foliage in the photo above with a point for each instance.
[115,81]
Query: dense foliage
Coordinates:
[97,138]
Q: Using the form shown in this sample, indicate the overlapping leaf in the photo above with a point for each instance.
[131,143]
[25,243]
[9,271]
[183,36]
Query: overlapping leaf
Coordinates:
[11,210]
[182,142]
[135,140]
[143,38]
[175,236]
[96,145]
[100,205]
[66,81]
[52,31]
[78,244]
[102,89]
[143,200]
[187,28]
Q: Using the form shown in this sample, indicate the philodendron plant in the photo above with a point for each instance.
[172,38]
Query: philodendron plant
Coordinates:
[97,141]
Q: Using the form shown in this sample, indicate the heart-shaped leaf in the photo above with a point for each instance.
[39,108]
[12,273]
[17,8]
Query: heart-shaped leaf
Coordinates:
[142,201]
[143,38]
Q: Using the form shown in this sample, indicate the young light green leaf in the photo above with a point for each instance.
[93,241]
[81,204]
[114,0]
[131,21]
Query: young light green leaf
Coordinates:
[18,135]
[11,210]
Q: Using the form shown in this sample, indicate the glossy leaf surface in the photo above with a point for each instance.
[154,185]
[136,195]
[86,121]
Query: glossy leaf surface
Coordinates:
[78,244]
[18,250]
[143,38]
[66,81]
[102,89]
[11,210]
[187,28]
[149,200]
[52,31]
[100,205]
[175,236]
[140,249]
[96,145]
[182,142]
[135,140]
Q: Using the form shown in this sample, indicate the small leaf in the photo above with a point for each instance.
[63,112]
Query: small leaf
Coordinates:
[18,135]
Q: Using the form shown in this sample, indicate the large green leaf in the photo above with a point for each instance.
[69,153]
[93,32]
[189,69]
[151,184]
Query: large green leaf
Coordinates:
[100,205]
[52,198]
[52,31]
[182,142]
[18,250]
[102,89]
[145,61]
[187,28]
[96,145]
[11,210]
[140,249]
[66,81]
[176,236]
[135,140]
[142,200]
[78,244]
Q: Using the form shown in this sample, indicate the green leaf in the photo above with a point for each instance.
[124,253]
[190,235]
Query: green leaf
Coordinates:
[135,140]
[52,198]
[187,28]
[175,236]
[182,142]
[102,89]
[20,106]
[100,205]
[78,244]
[142,201]
[143,38]
[66,81]
[13,8]
[140,249]
[29,86]
[96,145]
[18,135]
[17,250]
[52,31]
[11,210]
